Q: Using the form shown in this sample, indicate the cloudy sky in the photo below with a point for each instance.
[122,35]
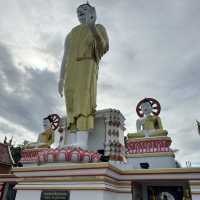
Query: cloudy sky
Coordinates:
[154,52]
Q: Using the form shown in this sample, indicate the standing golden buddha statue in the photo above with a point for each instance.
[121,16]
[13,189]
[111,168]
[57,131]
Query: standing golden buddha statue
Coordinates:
[84,47]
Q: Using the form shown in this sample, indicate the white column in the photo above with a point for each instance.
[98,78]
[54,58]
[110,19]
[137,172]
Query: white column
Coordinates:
[195,189]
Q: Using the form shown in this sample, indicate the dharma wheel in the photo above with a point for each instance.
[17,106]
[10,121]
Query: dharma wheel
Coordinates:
[156,108]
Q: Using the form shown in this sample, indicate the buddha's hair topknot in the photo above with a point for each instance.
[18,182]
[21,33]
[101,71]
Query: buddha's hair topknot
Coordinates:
[87,3]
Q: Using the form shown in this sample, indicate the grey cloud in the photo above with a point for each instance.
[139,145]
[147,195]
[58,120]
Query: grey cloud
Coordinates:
[9,72]
[34,94]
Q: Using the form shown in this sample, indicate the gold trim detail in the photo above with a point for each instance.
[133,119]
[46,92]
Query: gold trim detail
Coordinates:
[195,193]
[149,139]
[194,182]
[97,166]
[66,166]
[75,188]
[156,154]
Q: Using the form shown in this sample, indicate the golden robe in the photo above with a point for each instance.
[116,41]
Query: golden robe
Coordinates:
[153,124]
[81,70]
[45,139]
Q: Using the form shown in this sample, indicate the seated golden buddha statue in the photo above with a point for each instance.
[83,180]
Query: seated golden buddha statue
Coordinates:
[149,124]
[46,138]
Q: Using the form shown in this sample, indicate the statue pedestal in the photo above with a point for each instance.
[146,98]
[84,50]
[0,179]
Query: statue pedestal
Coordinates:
[99,181]
[74,172]
[81,181]
[151,152]
[149,145]
[107,138]
[43,156]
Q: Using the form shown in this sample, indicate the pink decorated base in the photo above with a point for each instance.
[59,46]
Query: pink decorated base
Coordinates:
[149,145]
[59,155]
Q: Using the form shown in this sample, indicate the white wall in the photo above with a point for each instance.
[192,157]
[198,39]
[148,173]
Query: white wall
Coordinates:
[196,197]
[116,196]
[28,195]
[86,195]
[154,162]
[96,139]
[76,195]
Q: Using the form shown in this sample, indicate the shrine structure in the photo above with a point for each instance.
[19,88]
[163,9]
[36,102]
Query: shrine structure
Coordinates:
[151,143]
[92,158]
[139,167]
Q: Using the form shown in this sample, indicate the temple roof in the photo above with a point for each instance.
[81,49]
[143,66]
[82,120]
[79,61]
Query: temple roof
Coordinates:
[5,155]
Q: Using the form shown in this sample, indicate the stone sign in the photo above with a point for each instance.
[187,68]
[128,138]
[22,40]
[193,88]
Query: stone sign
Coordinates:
[55,195]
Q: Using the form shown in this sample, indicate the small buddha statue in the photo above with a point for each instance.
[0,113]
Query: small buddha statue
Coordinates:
[187,195]
[46,138]
[149,124]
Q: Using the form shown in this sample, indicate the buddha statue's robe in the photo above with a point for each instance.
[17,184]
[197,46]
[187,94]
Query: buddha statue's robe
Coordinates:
[45,139]
[81,71]
[152,122]
[152,125]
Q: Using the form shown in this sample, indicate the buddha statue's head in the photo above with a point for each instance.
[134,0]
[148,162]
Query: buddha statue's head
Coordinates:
[47,122]
[146,108]
[86,13]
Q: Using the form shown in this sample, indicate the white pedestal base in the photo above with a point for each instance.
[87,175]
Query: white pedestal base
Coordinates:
[76,195]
